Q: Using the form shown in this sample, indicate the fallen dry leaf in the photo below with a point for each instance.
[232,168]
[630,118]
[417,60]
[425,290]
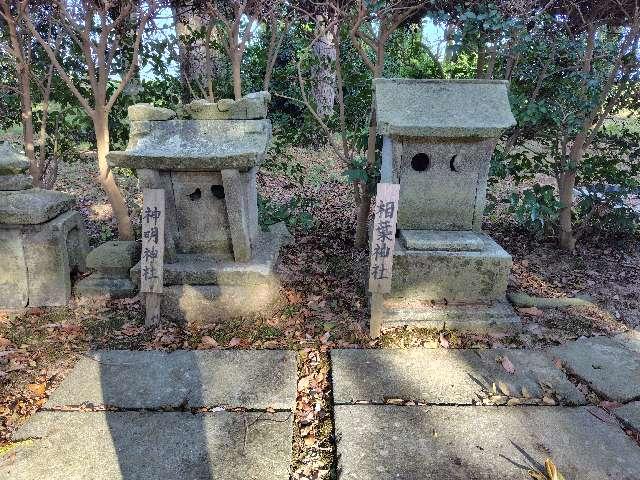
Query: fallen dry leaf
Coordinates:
[533,311]
[208,342]
[508,366]
[37,388]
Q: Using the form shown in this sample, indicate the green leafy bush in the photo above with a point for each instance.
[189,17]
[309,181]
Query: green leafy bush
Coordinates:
[536,209]
[295,213]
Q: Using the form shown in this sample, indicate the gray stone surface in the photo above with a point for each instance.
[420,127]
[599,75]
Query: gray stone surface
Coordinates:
[33,206]
[153,445]
[146,111]
[52,251]
[114,259]
[439,376]
[12,162]
[250,107]
[465,277]
[195,145]
[629,414]
[38,259]
[14,285]
[200,269]
[451,241]
[96,285]
[198,304]
[451,193]
[254,379]
[630,340]
[605,364]
[238,214]
[442,108]
[481,443]
[202,221]
[16,182]
[496,317]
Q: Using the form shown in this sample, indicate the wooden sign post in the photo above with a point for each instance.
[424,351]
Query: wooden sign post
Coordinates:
[383,244]
[152,258]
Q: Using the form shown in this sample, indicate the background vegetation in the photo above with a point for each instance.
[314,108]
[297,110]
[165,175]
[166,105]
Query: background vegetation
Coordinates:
[75,66]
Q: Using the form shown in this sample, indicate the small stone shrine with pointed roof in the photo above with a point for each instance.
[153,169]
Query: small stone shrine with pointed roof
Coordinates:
[218,262]
[438,138]
[42,240]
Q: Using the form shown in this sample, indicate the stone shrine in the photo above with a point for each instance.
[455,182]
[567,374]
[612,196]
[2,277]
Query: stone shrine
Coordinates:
[218,264]
[438,138]
[42,240]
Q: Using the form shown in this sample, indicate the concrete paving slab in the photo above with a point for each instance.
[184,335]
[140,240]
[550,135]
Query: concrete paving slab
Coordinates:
[385,442]
[630,340]
[441,376]
[126,379]
[606,364]
[629,414]
[152,445]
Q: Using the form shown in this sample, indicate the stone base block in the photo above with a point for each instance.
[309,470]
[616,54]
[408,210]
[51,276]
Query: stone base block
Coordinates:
[204,288]
[482,318]
[451,276]
[98,286]
[213,303]
[38,260]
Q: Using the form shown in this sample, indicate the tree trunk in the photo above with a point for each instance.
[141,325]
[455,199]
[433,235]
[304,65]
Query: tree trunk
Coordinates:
[323,71]
[27,124]
[362,217]
[22,74]
[362,221]
[199,65]
[566,183]
[236,61]
[449,33]
[482,57]
[106,178]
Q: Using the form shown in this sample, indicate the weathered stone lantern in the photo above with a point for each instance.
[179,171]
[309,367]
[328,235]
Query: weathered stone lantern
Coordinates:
[218,264]
[42,240]
[439,136]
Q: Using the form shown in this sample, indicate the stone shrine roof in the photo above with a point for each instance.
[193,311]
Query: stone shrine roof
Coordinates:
[194,145]
[442,108]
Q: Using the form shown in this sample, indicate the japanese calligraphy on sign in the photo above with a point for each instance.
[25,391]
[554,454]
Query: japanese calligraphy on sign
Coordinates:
[151,261]
[384,237]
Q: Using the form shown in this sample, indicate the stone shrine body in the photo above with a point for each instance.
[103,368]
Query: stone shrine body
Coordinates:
[218,263]
[438,138]
[42,239]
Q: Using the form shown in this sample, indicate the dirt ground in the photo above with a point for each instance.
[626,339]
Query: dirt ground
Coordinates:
[326,306]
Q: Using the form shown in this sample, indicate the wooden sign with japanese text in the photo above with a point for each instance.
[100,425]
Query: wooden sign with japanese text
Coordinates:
[152,257]
[383,237]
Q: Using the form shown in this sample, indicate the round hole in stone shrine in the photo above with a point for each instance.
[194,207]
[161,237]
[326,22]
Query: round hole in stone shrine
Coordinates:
[217,191]
[196,195]
[420,162]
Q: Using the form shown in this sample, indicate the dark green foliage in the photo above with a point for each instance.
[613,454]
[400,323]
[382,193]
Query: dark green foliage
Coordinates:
[295,213]
[536,209]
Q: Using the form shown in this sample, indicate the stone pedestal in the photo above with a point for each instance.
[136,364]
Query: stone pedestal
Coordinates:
[218,264]
[110,264]
[41,240]
[438,138]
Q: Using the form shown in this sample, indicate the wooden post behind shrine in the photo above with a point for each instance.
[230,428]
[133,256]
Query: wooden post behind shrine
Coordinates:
[152,257]
[383,243]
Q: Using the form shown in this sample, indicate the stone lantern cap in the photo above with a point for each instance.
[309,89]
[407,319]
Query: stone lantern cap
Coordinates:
[194,145]
[442,108]
[12,162]
[20,204]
